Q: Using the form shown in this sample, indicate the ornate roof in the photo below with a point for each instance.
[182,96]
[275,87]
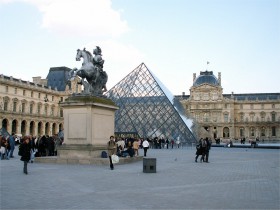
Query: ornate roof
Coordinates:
[58,77]
[206,77]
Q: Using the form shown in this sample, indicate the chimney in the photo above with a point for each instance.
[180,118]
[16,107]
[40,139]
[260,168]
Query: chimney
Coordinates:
[219,78]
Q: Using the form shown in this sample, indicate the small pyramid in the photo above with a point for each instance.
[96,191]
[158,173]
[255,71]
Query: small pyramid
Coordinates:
[146,108]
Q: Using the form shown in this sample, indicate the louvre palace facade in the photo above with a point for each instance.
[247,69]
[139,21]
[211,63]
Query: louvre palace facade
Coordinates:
[32,108]
[232,116]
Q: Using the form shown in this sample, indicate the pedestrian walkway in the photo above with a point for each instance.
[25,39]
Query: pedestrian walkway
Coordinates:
[235,178]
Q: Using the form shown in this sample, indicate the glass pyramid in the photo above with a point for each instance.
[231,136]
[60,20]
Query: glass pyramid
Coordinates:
[147,109]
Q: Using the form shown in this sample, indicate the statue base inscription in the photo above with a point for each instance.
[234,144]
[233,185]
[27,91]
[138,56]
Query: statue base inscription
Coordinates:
[88,124]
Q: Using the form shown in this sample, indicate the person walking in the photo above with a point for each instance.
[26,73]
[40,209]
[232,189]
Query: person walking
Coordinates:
[167,143]
[145,147]
[24,152]
[136,147]
[12,143]
[198,149]
[203,150]
[208,147]
[112,150]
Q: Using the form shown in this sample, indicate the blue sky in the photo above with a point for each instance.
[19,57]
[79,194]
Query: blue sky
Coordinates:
[174,38]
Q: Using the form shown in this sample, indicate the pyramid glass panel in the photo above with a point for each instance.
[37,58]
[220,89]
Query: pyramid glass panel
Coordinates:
[147,108]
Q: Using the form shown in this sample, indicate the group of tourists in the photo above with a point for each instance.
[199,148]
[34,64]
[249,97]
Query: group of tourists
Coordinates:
[202,149]
[161,143]
[125,147]
[122,147]
[29,147]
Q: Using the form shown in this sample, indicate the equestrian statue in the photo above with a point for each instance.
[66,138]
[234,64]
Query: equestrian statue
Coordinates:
[93,78]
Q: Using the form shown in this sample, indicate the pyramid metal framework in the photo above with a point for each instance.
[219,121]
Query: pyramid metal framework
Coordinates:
[146,108]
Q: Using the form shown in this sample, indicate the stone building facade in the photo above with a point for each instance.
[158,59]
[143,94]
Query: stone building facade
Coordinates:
[32,108]
[232,116]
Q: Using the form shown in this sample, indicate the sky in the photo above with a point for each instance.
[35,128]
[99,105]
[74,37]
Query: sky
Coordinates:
[174,38]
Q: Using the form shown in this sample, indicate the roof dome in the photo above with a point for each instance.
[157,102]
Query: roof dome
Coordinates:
[206,77]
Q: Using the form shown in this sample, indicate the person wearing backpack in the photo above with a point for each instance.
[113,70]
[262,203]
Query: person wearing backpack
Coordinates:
[112,149]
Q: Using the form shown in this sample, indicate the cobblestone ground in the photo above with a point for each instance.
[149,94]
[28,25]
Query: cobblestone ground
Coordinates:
[235,178]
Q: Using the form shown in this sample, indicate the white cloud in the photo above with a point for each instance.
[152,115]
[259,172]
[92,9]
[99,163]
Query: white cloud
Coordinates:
[93,18]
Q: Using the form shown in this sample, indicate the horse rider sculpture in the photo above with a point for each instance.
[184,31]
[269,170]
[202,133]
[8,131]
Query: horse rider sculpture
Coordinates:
[92,71]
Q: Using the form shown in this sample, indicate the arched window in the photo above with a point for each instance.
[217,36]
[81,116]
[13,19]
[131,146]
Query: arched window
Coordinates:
[263,131]
[226,132]
[252,131]
[241,132]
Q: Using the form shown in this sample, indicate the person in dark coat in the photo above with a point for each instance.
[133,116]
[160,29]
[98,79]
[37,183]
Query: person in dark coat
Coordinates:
[24,152]
[208,147]
[198,149]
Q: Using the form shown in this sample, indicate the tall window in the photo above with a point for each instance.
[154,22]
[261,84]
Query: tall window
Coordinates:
[197,117]
[262,106]
[5,105]
[252,106]
[23,92]
[241,117]
[39,109]
[61,112]
[15,90]
[273,106]
[7,89]
[252,132]
[273,131]
[32,94]
[252,117]
[23,107]
[226,132]
[225,117]
[262,116]
[273,116]
[206,117]
[39,95]
[52,111]
[46,110]
[262,131]
[31,108]
[241,106]
[14,106]
[241,132]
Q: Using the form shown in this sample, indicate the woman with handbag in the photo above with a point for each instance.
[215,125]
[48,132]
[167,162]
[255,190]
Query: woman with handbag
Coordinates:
[112,149]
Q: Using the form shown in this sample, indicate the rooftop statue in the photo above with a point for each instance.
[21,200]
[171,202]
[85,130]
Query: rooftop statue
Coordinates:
[93,78]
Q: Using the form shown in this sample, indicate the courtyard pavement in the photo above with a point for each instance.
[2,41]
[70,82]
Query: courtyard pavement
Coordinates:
[235,178]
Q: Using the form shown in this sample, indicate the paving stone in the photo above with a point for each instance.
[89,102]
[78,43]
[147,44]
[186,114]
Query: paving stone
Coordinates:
[235,178]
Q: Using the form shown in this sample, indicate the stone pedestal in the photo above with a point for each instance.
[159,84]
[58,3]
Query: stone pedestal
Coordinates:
[88,124]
